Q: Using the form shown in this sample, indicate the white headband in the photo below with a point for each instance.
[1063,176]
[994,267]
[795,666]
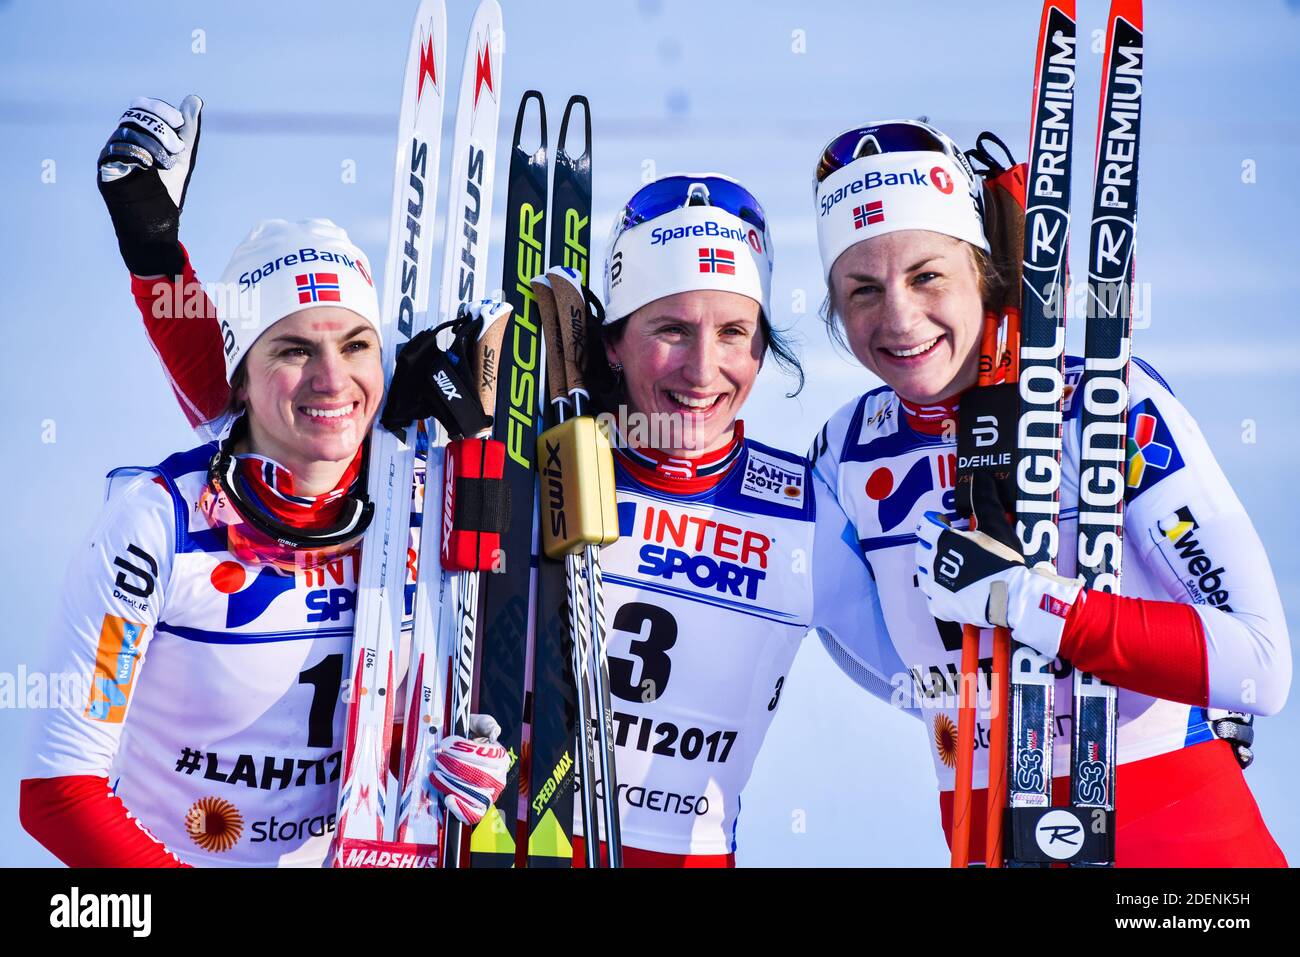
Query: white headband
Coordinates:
[281,268]
[687,249]
[887,192]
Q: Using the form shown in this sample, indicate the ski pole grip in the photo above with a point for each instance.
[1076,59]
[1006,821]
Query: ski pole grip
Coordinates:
[576,467]
[496,318]
[551,342]
[572,308]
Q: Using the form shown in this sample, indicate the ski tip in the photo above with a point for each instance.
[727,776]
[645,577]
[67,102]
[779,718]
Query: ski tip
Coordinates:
[521,116]
[561,145]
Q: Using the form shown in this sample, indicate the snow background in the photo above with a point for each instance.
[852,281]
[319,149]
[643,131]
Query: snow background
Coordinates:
[294,90]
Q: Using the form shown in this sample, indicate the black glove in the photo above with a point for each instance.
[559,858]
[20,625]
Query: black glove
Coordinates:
[1238,729]
[144,171]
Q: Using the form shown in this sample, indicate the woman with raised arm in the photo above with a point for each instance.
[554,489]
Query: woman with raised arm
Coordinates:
[211,611]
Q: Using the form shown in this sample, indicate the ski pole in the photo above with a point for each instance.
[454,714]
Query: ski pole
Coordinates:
[580,515]
[968,690]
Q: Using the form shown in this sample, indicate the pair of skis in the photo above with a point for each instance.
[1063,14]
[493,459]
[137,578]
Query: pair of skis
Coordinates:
[382,820]
[1022,730]
[527,645]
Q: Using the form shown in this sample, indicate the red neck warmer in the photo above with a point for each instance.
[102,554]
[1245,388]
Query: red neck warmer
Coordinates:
[271,486]
[931,419]
[683,476]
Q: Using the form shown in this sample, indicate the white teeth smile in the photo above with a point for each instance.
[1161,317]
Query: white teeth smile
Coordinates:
[692,403]
[916,350]
[328,413]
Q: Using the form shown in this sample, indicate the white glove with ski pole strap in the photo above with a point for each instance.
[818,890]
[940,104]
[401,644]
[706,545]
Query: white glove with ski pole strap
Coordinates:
[470,772]
[973,579]
[144,172]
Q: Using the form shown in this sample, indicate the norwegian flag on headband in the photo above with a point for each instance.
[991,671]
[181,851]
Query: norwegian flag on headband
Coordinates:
[869,214]
[318,287]
[717,260]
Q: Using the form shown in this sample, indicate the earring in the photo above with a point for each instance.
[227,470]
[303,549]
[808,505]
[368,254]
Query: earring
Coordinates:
[616,368]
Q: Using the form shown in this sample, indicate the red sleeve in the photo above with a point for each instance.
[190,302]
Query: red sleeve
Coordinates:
[84,824]
[1156,648]
[181,323]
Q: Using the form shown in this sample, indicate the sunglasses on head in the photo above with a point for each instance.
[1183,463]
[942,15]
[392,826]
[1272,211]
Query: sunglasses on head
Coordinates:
[894,137]
[677,192]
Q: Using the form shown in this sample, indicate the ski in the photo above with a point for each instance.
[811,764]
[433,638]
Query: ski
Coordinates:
[505,599]
[1103,395]
[466,233]
[552,699]
[364,826]
[571,225]
[464,279]
[1039,431]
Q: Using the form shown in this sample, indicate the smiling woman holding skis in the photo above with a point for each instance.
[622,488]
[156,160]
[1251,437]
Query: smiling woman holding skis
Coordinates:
[212,609]
[914,288]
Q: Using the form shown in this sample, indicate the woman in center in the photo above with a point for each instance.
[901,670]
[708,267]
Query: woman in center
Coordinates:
[728,552]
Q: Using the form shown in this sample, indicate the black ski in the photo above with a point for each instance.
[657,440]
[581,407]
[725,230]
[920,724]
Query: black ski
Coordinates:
[505,600]
[552,704]
[1103,398]
[1042,387]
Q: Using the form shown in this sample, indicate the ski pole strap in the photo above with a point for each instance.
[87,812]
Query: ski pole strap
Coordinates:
[429,381]
[986,444]
[1004,205]
[475,504]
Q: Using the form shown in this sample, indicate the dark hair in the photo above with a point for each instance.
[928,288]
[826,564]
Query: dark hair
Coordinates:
[993,286]
[238,383]
[607,388]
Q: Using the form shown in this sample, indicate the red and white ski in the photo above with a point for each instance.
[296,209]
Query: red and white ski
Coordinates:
[365,825]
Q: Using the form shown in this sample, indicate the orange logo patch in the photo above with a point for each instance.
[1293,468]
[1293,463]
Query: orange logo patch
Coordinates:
[214,824]
[945,740]
[116,658]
